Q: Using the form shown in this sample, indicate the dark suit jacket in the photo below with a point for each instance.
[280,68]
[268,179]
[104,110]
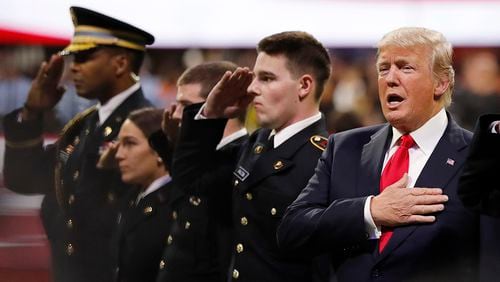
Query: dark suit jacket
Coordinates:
[479,186]
[328,214]
[200,252]
[80,205]
[143,232]
[263,184]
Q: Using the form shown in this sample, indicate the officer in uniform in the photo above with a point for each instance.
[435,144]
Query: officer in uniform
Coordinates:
[277,161]
[80,204]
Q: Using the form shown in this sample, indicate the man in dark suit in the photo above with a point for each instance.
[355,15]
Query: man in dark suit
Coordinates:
[197,248]
[383,201]
[479,186]
[277,160]
[80,203]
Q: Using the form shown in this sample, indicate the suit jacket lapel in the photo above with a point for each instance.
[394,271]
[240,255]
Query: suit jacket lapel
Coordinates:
[445,161]
[370,169]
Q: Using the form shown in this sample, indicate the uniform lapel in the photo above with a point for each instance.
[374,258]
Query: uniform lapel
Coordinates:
[147,207]
[110,127]
[446,160]
[280,159]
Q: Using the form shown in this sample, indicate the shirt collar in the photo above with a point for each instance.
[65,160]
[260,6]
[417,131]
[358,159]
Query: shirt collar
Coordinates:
[231,137]
[428,135]
[155,185]
[291,130]
[107,109]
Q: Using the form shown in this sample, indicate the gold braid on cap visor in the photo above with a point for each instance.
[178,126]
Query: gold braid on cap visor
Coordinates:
[87,37]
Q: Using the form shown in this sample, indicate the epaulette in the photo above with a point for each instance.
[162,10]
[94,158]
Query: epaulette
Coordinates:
[319,142]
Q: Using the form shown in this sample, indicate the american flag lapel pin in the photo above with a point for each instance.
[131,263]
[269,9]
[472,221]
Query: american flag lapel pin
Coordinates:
[450,162]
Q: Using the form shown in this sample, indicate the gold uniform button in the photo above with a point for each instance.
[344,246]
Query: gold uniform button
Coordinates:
[169,239]
[244,221]
[174,215]
[162,264]
[236,274]
[69,223]
[249,196]
[76,174]
[187,225]
[111,197]
[236,182]
[71,199]
[87,131]
[258,149]
[107,131]
[273,211]
[148,210]
[239,248]
[195,201]
[277,165]
[76,141]
[69,249]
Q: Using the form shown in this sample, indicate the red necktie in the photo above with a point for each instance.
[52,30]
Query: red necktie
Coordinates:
[394,169]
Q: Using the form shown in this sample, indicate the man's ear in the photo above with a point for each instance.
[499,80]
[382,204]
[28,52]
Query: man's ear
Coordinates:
[306,83]
[442,84]
[122,64]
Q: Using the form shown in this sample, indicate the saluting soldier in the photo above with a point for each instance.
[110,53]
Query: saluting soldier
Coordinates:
[80,204]
[276,162]
[198,246]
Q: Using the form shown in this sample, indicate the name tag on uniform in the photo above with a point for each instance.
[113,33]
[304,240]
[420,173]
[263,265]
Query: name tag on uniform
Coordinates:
[241,173]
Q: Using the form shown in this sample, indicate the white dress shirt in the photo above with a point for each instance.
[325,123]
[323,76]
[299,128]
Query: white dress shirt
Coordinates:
[289,131]
[107,109]
[426,139]
[231,137]
[155,185]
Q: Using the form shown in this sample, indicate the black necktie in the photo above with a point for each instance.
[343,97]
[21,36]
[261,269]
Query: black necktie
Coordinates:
[270,142]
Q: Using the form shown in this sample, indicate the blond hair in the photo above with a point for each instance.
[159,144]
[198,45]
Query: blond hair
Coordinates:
[441,55]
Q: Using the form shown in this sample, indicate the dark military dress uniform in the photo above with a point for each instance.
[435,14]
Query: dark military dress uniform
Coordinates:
[143,232]
[198,248]
[80,205]
[265,181]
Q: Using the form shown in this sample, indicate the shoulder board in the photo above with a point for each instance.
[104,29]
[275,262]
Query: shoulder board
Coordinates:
[77,119]
[319,141]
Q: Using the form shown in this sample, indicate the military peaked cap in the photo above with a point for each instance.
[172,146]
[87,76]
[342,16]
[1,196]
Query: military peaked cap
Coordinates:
[93,29]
